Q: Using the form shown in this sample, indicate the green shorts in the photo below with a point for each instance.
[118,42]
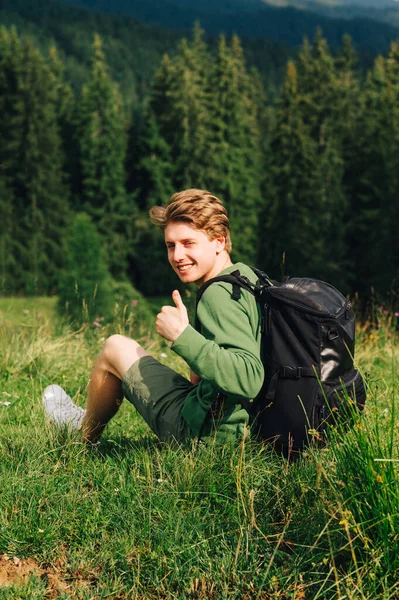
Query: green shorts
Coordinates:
[158,394]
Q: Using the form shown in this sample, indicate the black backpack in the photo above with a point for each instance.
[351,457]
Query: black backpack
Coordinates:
[308,335]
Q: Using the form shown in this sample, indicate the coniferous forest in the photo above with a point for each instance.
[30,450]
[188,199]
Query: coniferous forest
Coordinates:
[310,175]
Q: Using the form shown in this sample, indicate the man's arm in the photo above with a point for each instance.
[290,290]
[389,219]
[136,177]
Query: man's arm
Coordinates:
[226,353]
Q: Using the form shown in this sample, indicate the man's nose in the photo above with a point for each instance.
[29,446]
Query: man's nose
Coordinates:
[178,253]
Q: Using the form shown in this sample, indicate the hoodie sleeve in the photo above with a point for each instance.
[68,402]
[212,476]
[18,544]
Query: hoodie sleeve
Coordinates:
[226,353]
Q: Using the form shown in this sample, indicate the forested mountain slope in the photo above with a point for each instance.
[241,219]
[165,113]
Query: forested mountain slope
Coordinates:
[133,49]
[309,176]
[254,19]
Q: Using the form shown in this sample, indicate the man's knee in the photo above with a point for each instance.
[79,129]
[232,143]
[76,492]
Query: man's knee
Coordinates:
[119,353]
[115,345]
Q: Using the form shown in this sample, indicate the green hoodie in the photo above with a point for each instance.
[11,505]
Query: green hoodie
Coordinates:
[225,354]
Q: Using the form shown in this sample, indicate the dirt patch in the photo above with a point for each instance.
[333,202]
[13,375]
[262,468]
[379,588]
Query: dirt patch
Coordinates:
[15,571]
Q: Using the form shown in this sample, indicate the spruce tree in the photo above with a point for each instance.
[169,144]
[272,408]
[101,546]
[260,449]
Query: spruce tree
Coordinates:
[66,117]
[103,141]
[180,104]
[32,163]
[84,285]
[235,169]
[291,242]
[375,169]
[326,93]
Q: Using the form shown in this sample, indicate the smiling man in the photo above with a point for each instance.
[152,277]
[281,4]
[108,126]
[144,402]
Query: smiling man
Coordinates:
[223,352]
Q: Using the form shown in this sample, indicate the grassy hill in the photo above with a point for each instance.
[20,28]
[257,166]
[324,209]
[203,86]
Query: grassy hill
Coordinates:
[137,520]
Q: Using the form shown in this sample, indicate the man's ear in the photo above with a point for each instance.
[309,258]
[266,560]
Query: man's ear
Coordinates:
[220,244]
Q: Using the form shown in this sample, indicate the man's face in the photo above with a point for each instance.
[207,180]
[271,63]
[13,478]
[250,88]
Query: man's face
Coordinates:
[191,253]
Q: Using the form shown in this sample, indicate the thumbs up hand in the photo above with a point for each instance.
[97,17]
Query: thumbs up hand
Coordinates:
[172,320]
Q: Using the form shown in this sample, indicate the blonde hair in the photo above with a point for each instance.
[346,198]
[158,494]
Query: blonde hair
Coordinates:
[200,209]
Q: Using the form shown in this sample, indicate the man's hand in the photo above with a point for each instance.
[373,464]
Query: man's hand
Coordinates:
[172,321]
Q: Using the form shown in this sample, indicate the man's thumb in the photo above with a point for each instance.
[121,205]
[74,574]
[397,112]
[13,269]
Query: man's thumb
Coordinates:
[177,299]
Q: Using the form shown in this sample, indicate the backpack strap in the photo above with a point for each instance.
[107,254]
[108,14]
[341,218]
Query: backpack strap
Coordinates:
[237,281]
[287,373]
[263,279]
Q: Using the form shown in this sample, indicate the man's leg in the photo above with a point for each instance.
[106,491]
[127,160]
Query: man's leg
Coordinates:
[105,386]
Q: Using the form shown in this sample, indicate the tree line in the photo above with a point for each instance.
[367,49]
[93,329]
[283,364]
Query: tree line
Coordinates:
[311,181]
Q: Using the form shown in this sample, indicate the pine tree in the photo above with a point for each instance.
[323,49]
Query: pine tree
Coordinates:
[31,159]
[66,109]
[375,171]
[317,82]
[84,284]
[291,241]
[180,104]
[235,169]
[325,93]
[103,142]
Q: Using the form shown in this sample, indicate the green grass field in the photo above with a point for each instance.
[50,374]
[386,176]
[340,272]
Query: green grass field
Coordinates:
[138,519]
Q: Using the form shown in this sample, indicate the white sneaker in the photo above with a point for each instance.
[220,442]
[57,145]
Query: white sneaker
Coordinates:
[60,409]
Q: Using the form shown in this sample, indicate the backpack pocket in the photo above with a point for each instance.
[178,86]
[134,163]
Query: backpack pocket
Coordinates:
[340,400]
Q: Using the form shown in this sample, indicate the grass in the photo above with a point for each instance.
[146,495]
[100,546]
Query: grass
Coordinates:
[140,519]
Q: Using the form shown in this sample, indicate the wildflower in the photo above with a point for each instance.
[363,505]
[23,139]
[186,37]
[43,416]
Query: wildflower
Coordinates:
[6,395]
[39,316]
[134,303]
[163,354]
[346,516]
[396,314]
[389,335]
[5,403]
[379,479]
[385,312]
[100,319]
[96,324]
[26,311]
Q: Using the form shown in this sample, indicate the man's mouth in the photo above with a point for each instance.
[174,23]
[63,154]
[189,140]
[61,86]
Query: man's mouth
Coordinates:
[184,268]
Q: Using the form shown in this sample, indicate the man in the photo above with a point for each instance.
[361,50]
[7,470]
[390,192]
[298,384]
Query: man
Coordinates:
[224,356]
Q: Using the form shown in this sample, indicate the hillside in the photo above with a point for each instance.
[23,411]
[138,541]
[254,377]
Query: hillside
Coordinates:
[134,50]
[258,19]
